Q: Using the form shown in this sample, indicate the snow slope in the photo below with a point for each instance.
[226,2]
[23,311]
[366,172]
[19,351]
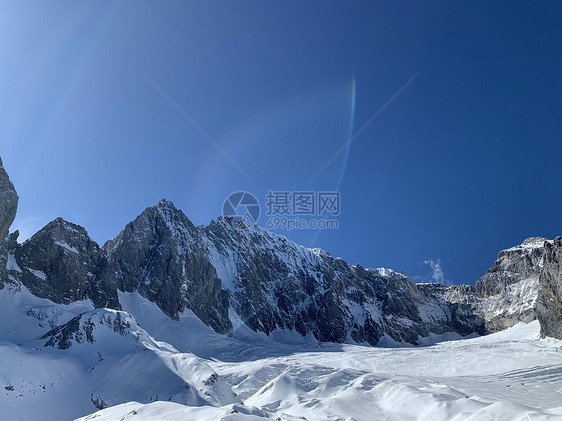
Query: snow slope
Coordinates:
[511,375]
[95,359]
[147,366]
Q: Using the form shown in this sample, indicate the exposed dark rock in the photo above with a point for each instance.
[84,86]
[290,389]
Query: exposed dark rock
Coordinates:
[60,262]
[463,304]
[504,296]
[549,303]
[270,282]
[161,254]
[9,269]
[8,208]
[510,287]
[228,271]
[81,329]
[8,202]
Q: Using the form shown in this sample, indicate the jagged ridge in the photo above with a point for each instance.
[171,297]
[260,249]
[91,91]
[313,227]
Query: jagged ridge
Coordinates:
[228,272]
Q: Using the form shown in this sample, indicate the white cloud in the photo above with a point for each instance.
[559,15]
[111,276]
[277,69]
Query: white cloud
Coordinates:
[436,274]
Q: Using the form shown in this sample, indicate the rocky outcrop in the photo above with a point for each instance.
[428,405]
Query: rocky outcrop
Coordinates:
[509,289]
[464,306]
[507,293]
[162,255]
[9,269]
[123,359]
[229,273]
[82,328]
[60,262]
[8,208]
[8,202]
[549,303]
[270,283]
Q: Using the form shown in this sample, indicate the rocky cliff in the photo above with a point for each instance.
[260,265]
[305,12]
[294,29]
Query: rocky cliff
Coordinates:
[163,256]
[507,293]
[549,303]
[229,273]
[60,262]
[510,287]
[8,202]
[8,208]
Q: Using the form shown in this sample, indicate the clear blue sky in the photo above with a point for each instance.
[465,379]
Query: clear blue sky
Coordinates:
[464,162]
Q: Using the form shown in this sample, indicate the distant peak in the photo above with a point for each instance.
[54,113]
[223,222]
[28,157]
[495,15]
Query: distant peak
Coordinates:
[530,243]
[165,204]
[61,225]
[61,221]
[534,240]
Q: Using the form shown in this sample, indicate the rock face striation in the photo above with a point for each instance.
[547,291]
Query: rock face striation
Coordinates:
[8,202]
[507,294]
[8,208]
[510,287]
[229,273]
[60,262]
[549,303]
[162,255]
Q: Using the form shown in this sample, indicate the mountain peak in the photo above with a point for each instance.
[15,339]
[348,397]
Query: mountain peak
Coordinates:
[60,221]
[61,229]
[166,204]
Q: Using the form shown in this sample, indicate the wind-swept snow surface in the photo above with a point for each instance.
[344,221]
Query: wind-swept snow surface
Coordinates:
[93,359]
[510,375]
[60,362]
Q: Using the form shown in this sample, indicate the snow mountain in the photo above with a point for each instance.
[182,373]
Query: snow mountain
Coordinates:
[169,320]
[229,273]
[92,358]
[507,294]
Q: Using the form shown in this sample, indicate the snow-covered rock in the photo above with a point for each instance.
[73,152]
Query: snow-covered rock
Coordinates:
[127,364]
[509,289]
[8,208]
[507,294]
[229,273]
[549,303]
[62,263]
[161,254]
[94,359]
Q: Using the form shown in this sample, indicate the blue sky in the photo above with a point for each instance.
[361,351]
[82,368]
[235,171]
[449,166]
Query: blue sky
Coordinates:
[464,162]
